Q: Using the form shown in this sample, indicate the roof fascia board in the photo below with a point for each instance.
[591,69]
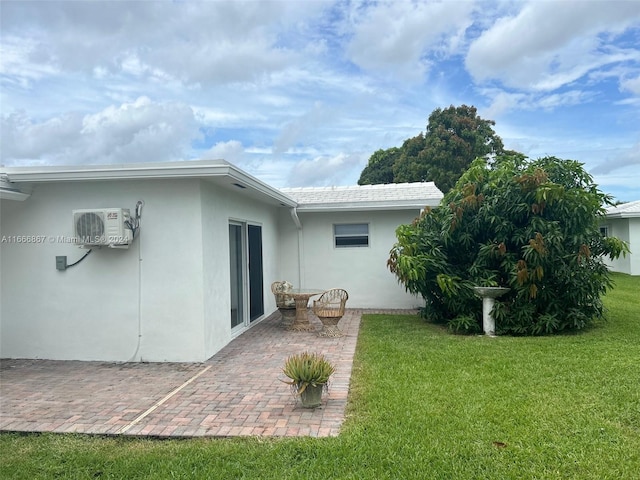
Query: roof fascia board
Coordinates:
[623,215]
[113,172]
[150,171]
[302,208]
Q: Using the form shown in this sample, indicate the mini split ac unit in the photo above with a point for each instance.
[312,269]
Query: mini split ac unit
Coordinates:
[102,227]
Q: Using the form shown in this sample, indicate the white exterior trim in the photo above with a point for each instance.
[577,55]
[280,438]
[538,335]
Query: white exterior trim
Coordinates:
[624,210]
[204,169]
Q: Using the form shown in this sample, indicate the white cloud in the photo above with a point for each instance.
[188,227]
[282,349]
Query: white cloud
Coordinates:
[303,126]
[550,44]
[622,159]
[328,171]
[13,66]
[141,131]
[631,85]
[563,99]
[225,115]
[502,101]
[394,37]
[623,184]
[23,139]
[232,151]
[197,42]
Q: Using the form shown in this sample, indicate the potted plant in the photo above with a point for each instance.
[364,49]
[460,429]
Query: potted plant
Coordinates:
[308,374]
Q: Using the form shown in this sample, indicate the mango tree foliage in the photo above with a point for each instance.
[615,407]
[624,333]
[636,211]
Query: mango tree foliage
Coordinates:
[530,225]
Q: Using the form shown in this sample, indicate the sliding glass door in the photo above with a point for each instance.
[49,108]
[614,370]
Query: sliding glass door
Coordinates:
[246,274]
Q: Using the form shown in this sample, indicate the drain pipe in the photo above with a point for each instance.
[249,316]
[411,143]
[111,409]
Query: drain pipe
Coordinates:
[296,220]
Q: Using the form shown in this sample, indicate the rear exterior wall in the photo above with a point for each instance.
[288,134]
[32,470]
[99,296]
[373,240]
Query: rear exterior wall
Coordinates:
[362,271]
[166,298]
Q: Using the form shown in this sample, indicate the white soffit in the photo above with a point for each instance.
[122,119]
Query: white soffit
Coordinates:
[10,194]
[9,191]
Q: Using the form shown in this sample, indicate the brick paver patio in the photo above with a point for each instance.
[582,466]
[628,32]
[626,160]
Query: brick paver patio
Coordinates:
[237,392]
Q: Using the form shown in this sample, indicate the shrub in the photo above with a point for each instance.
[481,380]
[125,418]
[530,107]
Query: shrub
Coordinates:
[530,225]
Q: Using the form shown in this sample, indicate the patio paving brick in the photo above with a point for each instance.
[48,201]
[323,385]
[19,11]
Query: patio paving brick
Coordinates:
[237,392]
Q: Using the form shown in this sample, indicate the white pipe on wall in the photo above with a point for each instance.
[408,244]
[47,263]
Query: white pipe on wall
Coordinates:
[296,220]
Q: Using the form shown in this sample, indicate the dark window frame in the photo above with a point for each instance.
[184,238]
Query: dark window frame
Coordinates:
[358,237]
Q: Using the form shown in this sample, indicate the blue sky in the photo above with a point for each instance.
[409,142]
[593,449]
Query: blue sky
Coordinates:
[301,93]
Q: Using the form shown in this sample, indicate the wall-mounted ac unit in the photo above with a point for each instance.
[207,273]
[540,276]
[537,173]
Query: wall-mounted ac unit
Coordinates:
[102,227]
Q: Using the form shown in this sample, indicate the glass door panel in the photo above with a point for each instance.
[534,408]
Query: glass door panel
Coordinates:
[256,292]
[237,274]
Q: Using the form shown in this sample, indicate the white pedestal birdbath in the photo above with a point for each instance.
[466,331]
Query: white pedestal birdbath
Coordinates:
[489,294]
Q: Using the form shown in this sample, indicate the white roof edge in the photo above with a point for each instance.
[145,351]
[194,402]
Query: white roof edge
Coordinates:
[623,215]
[365,206]
[365,186]
[624,210]
[395,196]
[115,172]
[186,169]
[357,208]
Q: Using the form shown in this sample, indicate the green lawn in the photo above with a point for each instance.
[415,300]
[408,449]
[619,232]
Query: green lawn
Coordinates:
[424,404]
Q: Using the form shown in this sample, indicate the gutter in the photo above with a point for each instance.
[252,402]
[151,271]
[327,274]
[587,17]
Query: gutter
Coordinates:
[298,223]
[296,219]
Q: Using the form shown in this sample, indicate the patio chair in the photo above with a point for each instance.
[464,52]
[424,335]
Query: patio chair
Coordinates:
[329,308]
[285,303]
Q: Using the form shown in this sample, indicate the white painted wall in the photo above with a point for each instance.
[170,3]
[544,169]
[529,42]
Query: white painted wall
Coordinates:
[628,230]
[172,284]
[634,245]
[218,208]
[93,310]
[361,271]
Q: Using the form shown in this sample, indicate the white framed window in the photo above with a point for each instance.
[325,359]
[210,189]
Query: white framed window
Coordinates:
[348,235]
[604,230]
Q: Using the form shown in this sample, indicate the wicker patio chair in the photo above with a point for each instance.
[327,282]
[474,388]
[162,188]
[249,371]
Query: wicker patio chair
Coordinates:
[329,308]
[285,303]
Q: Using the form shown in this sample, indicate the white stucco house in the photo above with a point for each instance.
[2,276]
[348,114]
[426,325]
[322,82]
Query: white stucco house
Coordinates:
[623,222]
[208,241]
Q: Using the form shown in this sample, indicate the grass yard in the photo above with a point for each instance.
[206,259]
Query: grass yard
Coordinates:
[424,404]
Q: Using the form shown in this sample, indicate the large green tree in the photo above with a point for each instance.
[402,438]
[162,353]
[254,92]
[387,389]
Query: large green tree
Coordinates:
[380,167]
[530,225]
[455,136]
